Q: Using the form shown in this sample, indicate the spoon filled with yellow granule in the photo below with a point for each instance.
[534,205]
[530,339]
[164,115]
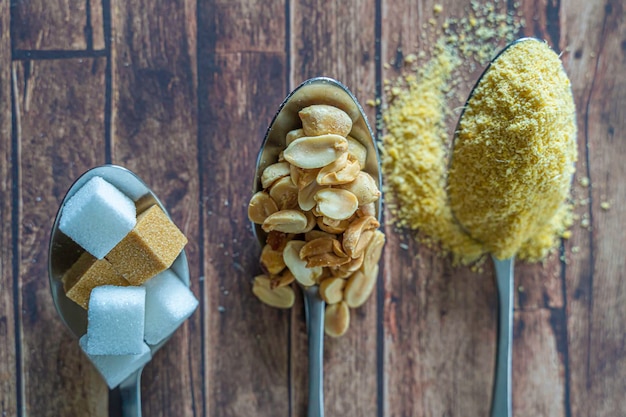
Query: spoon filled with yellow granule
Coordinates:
[515,148]
[511,168]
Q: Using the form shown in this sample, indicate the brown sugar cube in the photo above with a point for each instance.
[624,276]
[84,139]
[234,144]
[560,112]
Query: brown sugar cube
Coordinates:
[86,274]
[151,247]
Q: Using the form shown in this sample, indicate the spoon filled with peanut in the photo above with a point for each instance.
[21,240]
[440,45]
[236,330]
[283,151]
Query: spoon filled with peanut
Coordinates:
[316,208]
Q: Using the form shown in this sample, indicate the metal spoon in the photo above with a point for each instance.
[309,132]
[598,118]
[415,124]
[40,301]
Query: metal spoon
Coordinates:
[320,90]
[501,404]
[63,252]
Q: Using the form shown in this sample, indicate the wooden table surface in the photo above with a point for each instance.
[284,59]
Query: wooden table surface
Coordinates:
[181,92]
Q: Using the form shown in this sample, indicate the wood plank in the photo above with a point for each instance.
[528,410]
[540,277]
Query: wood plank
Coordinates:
[595,290]
[61,124]
[537,360]
[439,336]
[250,26]
[57,25]
[154,133]
[247,345]
[580,62]
[8,356]
[337,39]
[540,360]
[242,80]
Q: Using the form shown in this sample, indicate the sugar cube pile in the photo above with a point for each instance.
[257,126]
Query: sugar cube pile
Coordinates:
[169,302]
[123,279]
[98,217]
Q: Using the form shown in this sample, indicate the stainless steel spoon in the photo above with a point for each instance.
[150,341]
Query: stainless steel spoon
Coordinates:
[320,90]
[501,403]
[63,253]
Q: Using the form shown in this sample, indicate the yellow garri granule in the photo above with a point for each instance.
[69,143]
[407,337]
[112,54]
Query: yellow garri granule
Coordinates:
[414,159]
[514,153]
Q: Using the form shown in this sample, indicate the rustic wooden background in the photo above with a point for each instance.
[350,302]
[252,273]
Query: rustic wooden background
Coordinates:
[181,92]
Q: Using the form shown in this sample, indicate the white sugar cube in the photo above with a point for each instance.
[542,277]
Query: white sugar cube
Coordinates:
[98,216]
[116,368]
[115,320]
[169,302]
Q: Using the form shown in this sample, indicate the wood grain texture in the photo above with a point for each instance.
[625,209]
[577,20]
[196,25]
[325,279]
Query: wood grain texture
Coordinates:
[242,79]
[595,288]
[8,354]
[330,39]
[57,25]
[181,92]
[154,134]
[247,346]
[60,133]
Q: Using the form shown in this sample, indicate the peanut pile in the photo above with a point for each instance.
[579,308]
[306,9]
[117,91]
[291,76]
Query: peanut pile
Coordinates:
[318,208]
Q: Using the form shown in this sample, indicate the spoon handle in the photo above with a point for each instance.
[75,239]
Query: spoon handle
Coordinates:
[501,402]
[314,310]
[130,391]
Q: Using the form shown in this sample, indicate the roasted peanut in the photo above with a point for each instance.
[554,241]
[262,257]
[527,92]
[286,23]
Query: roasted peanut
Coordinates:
[336,203]
[293,135]
[311,222]
[365,210]
[286,221]
[260,207]
[284,193]
[291,256]
[320,119]
[344,170]
[273,173]
[306,177]
[360,286]
[316,234]
[336,319]
[373,250]
[323,252]
[332,226]
[331,290]
[306,196]
[282,280]
[358,235]
[282,297]
[356,149]
[271,260]
[363,187]
[348,268]
[315,151]
[277,240]
[339,272]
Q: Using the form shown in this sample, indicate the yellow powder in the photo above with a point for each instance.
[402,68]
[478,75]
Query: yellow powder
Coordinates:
[420,111]
[413,160]
[514,153]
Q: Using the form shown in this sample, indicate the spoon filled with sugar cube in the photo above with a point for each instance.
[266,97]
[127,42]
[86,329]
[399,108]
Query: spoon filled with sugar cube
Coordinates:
[315,210]
[118,275]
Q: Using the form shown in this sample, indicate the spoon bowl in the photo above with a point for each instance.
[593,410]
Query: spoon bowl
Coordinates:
[319,90]
[63,252]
